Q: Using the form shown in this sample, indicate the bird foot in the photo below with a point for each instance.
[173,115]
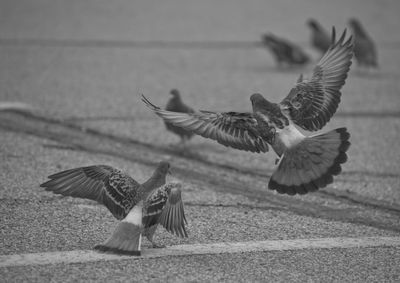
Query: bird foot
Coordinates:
[157,246]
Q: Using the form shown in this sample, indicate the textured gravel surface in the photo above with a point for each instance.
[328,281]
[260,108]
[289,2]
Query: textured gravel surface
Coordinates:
[88,62]
[378,265]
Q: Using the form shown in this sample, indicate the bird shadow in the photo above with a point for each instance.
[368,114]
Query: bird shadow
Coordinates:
[100,118]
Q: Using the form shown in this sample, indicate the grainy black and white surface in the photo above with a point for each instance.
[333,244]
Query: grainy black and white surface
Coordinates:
[83,65]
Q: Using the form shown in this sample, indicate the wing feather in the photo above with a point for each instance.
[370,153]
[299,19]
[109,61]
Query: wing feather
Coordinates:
[311,104]
[232,129]
[165,206]
[173,217]
[102,183]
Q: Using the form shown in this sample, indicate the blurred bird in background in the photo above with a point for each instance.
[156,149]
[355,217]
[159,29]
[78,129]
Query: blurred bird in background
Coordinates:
[285,52]
[140,207]
[306,163]
[364,47]
[320,38]
[176,104]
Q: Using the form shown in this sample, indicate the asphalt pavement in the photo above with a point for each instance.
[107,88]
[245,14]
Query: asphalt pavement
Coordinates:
[82,66]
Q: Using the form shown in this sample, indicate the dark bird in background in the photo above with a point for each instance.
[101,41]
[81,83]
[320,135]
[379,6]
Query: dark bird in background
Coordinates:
[140,207]
[320,38]
[364,47]
[284,51]
[306,163]
[176,104]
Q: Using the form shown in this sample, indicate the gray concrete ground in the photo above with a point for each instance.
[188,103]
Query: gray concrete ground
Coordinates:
[83,65]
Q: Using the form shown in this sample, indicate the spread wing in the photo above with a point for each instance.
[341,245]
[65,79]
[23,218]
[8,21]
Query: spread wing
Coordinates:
[153,207]
[311,104]
[237,130]
[102,183]
[165,206]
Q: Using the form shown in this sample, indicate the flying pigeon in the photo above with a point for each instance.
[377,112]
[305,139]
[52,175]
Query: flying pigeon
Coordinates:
[140,207]
[364,47]
[320,38]
[285,51]
[306,163]
[176,104]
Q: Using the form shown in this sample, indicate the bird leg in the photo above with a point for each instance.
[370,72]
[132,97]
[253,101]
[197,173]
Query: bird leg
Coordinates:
[278,159]
[154,244]
[150,234]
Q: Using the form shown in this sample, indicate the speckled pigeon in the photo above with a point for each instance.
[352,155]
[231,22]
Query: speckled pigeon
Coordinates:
[140,207]
[364,47]
[284,51]
[306,163]
[320,38]
[176,104]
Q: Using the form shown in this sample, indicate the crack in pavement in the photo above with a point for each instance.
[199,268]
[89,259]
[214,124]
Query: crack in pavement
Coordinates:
[233,180]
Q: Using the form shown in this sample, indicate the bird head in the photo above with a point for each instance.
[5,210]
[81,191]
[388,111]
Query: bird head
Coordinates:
[313,24]
[175,93]
[259,103]
[355,24]
[164,168]
[268,38]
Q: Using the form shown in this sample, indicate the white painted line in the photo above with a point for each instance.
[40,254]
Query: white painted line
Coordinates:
[199,249]
[15,106]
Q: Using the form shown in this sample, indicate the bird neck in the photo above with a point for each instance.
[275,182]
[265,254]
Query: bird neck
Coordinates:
[263,105]
[176,99]
[360,31]
[154,182]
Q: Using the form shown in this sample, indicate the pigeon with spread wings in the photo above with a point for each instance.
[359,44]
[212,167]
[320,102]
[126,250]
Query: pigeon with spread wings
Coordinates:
[306,163]
[140,207]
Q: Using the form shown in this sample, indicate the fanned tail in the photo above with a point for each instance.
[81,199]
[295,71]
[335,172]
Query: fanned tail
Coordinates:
[311,164]
[126,239]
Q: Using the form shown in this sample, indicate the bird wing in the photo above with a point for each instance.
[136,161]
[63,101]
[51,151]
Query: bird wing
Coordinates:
[311,104]
[165,206]
[173,217]
[102,183]
[153,207]
[233,129]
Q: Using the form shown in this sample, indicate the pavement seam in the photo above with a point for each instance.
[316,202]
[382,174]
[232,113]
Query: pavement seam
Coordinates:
[80,256]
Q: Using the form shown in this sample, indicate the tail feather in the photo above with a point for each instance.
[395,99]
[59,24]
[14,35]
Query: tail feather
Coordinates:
[311,164]
[126,239]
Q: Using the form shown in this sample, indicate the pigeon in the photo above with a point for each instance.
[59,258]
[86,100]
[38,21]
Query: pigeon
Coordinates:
[364,47]
[285,51]
[320,38]
[140,207]
[305,163]
[176,104]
